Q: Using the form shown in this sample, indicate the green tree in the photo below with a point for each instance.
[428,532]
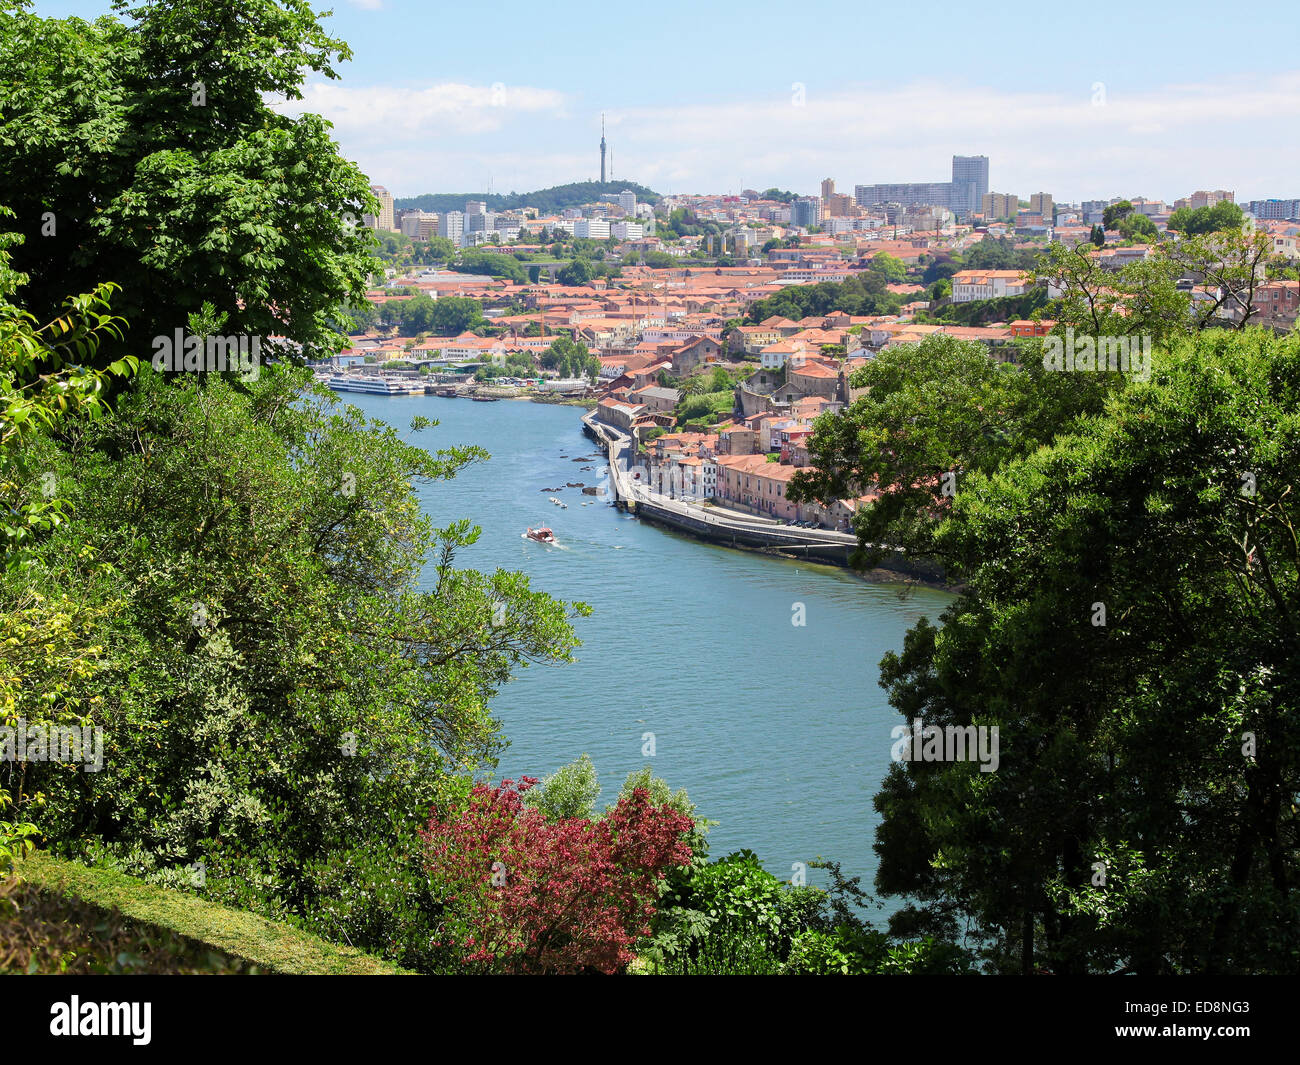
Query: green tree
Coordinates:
[1111,216]
[1138,228]
[1135,582]
[165,167]
[453,315]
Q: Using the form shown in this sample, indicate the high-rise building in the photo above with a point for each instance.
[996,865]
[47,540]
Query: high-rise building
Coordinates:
[452,226]
[828,189]
[839,204]
[999,205]
[591,229]
[627,201]
[475,207]
[383,220]
[970,181]
[930,193]
[602,149]
[806,211]
[1042,203]
[1284,210]
[1209,199]
[419,225]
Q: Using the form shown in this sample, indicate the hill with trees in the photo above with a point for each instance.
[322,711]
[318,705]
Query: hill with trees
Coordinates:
[547,201]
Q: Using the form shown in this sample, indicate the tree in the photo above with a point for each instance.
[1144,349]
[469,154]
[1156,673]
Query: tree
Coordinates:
[453,315]
[934,413]
[1111,215]
[891,267]
[578,272]
[1135,581]
[1138,228]
[569,792]
[527,894]
[473,261]
[1097,236]
[165,167]
[1224,216]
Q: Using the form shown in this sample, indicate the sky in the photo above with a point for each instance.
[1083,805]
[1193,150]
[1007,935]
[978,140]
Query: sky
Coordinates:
[1082,101]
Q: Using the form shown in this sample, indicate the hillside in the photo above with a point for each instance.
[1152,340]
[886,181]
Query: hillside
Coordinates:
[545,200]
[104,916]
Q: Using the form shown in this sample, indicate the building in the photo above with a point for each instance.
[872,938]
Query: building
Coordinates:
[1284,210]
[602,149]
[1276,303]
[1041,203]
[806,212]
[627,230]
[839,204]
[627,201]
[591,229]
[452,226]
[828,189]
[420,225]
[970,181]
[968,285]
[997,205]
[480,221]
[385,219]
[933,193]
[927,219]
[1208,199]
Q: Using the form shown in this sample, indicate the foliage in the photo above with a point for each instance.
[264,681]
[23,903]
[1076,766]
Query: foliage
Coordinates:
[474,261]
[546,201]
[1224,216]
[165,165]
[863,293]
[1141,815]
[301,696]
[569,792]
[524,894]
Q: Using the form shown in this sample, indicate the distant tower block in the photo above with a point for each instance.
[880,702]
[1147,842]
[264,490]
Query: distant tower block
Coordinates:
[602,149]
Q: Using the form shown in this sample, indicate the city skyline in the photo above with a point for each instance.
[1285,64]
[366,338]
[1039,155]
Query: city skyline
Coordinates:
[1052,112]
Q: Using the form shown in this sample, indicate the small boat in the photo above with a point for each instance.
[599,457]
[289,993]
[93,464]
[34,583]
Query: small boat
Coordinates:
[542,535]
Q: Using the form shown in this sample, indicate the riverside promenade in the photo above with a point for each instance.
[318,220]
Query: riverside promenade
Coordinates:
[718,524]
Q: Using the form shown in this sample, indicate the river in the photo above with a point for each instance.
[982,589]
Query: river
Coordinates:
[778,731]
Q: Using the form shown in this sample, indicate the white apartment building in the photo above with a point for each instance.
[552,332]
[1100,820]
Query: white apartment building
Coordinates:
[627,230]
[968,285]
[591,229]
[452,226]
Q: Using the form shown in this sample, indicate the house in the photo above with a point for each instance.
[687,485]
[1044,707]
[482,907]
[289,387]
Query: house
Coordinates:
[618,414]
[1276,303]
[813,377]
[968,285]
[752,483]
[694,354]
[776,355]
[655,397]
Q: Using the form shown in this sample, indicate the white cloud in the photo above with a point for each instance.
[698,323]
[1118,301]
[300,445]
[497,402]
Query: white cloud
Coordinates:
[1234,133]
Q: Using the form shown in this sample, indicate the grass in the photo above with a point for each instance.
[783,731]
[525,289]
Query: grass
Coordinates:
[265,944]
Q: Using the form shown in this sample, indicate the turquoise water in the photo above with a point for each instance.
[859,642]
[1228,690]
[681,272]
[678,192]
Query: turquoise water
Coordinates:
[778,732]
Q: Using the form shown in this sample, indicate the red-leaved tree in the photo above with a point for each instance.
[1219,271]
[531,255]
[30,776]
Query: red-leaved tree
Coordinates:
[522,894]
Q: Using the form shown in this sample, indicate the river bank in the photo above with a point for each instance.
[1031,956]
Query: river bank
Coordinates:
[748,679]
